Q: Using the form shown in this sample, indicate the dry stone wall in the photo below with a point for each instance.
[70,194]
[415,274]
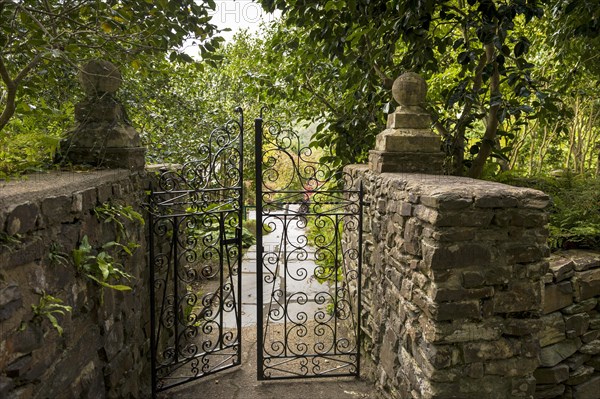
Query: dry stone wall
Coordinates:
[102,351]
[570,337]
[452,285]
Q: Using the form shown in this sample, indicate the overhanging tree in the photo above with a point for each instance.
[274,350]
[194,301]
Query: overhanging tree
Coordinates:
[476,46]
[40,39]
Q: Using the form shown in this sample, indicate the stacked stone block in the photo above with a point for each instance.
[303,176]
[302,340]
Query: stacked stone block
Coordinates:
[570,337]
[103,350]
[452,285]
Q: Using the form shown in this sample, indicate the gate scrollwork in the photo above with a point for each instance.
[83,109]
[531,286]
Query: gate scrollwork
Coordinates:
[195,214]
[308,272]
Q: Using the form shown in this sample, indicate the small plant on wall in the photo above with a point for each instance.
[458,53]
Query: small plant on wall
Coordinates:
[56,256]
[9,242]
[103,264]
[101,267]
[49,307]
[118,215]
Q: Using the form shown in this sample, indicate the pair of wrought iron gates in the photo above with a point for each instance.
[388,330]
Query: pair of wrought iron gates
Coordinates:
[306,269]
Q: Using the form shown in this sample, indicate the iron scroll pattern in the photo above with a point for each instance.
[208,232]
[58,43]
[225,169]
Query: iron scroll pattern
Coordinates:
[308,271]
[195,215]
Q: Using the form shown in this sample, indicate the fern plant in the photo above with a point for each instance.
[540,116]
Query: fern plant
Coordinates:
[574,211]
[102,267]
[8,241]
[49,307]
[117,213]
[56,256]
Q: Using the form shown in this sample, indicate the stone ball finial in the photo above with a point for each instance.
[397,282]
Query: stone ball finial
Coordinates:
[99,77]
[409,89]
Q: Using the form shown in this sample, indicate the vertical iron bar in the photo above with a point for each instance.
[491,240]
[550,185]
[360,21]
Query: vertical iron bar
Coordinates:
[152,294]
[176,285]
[284,282]
[223,253]
[335,292]
[258,134]
[359,285]
[241,218]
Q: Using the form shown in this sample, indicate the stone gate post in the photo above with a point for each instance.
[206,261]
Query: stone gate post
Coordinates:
[452,289]
[103,135]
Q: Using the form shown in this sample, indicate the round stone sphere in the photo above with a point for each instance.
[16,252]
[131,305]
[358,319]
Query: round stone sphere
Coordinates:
[409,89]
[98,77]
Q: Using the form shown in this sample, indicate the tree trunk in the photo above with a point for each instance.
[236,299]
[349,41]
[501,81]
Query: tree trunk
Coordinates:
[458,144]
[11,95]
[11,88]
[489,138]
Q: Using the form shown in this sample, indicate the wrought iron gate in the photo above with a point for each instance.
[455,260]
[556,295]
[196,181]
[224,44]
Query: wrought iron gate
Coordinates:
[195,215]
[308,271]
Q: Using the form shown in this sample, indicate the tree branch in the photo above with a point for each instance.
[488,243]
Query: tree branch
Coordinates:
[37,22]
[458,144]
[387,81]
[5,76]
[310,88]
[25,71]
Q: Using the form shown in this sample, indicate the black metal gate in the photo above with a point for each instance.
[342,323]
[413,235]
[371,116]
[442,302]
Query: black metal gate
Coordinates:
[195,257]
[308,271]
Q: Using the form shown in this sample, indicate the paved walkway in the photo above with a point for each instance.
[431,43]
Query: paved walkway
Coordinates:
[241,383]
[309,286]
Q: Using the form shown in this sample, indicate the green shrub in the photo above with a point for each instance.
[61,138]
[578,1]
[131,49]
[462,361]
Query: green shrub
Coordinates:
[248,238]
[574,210]
[322,235]
[26,153]
[250,224]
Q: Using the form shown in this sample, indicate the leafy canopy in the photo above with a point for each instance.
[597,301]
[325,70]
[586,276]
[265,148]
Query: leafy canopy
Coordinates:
[476,48]
[42,40]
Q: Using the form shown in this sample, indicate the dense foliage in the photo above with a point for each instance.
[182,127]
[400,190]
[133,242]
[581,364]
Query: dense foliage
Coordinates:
[42,43]
[506,86]
[487,63]
[574,210]
[513,85]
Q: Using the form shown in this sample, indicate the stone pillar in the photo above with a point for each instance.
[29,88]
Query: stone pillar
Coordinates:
[408,144]
[452,269]
[103,136]
[452,285]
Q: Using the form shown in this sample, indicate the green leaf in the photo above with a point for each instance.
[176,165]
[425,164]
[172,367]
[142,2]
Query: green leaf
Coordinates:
[118,287]
[81,253]
[55,323]
[463,58]
[185,57]
[519,49]
[103,265]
